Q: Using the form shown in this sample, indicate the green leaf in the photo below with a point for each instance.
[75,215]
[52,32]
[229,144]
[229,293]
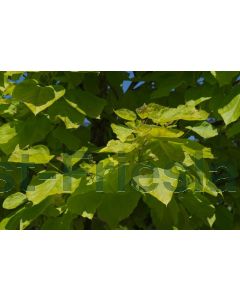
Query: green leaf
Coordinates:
[66,113]
[159,183]
[157,131]
[126,114]
[231,112]
[164,152]
[199,206]
[37,155]
[205,130]
[111,208]
[23,217]
[233,130]
[30,91]
[71,160]
[66,137]
[166,83]
[28,132]
[9,139]
[62,222]
[161,114]
[86,103]
[14,200]
[201,183]
[195,149]
[224,218]
[119,147]
[115,208]
[224,77]
[34,130]
[50,183]
[35,97]
[122,132]
[85,204]
[163,217]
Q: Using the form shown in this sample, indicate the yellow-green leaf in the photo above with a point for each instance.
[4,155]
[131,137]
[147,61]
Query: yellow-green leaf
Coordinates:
[231,112]
[161,114]
[37,155]
[122,132]
[205,130]
[117,146]
[126,114]
[159,183]
[14,200]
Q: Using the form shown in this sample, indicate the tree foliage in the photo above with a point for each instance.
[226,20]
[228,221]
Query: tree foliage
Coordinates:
[119,150]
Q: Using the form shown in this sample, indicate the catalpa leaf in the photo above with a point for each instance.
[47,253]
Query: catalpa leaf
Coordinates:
[71,160]
[192,148]
[85,204]
[35,97]
[7,132]
[205,130]
[199,206]
[126,114]
[161,114]
[69,138]
[159,183]
[114,209]
[34,130]
[86,103]
[166,83]
[9,138]
[62,110]
[50,183]
[37,155]
[233,130]
[62,222]
[224,77]
[14,200]
[30,91]
[157,131]
[122,132]
[24,216]
[231,112]
[201,183]
[116,146]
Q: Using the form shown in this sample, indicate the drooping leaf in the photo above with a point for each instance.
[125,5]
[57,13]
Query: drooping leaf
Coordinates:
[159,183]
[231,112]
[14,200]
[199,206]
[85,204]
[224,77]
[119,147]
[71,160]
[122,132]
[161,114]
[126,114]
[71,117]
[114,209]
[233,130]
[22,218]
[205,130]
[9,139]
[157,131]
[37,155]
[50,183]
[86,103]
[35,97]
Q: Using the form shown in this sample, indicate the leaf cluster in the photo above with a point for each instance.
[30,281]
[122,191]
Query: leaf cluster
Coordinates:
[80,151]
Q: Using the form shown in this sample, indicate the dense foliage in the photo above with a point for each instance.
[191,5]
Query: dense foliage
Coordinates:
[119,150]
